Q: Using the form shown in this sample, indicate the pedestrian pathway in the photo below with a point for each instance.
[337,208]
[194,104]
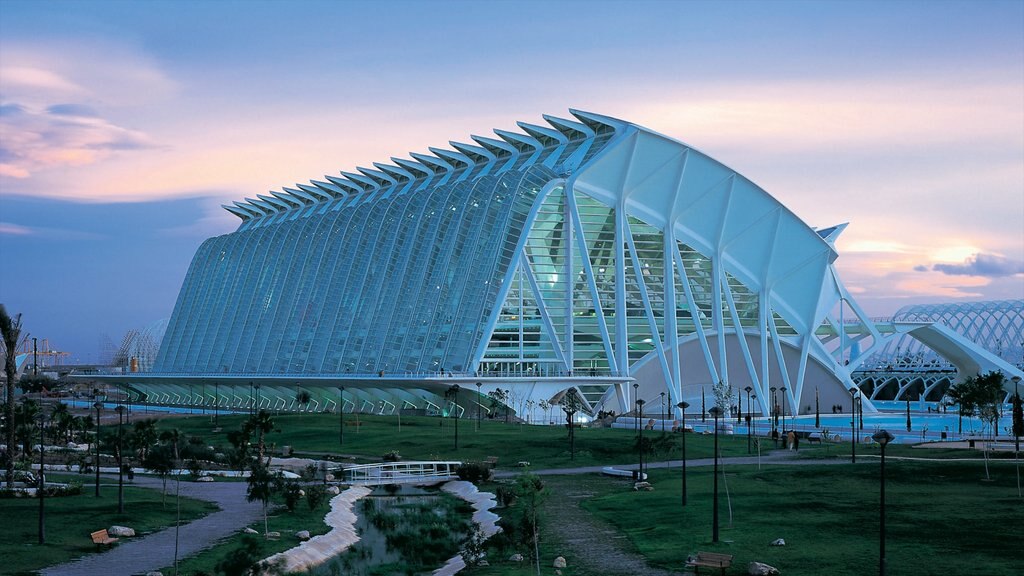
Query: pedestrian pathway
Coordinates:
[156,551]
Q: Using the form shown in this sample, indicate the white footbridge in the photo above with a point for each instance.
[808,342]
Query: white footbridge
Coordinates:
[398,473]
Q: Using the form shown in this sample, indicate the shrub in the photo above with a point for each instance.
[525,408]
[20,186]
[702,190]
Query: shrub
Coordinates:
[474,472]
[392,456]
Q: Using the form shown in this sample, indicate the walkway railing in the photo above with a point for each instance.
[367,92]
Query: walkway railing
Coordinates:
[399,473]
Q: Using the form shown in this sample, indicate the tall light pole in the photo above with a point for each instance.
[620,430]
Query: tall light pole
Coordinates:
[42,475]
[715,413]
[853,424]
[216,403]
[1016,413]
[640,443]
[783,390]
[341,415]
[662,412]
[97,405]
[883,438]
[774,416]
[636,396]
[748,389]
[682,408]
[478,405]
[35,368]
[454,391]
[120,459]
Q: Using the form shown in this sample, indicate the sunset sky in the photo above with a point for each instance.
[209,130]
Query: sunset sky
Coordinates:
[125,125]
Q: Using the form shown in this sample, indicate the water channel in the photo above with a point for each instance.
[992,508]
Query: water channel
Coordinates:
[404,531]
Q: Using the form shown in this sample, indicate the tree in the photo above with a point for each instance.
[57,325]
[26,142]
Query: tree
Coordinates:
[143,437]
[262,424]
[25,415]
[980,395]
[32,383]
[160,461]
[723,396]
[10,330]
[262,484]
[303,397]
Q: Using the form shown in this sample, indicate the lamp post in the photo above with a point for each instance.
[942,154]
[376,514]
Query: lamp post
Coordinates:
[97,405]
[454,391]
[715,413]
[216,403]
[478,398]
[853,424]
[662,412]
[748,389]
[860,410]
[774,416]
[783,390]
[640,443]
[739,407]
[251,403]
[883,438]
[120,459]
[42,475]
[682,408]
[908,413]
[636,396]
[1016,413]
[341,415]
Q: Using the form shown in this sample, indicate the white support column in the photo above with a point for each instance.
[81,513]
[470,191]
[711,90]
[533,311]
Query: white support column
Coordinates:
[697,325]
[568,234]
[762,321]
[621,335]
[740,334]
[671,324]
[717,318]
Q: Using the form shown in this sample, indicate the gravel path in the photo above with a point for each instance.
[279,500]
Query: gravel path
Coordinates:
[156,550]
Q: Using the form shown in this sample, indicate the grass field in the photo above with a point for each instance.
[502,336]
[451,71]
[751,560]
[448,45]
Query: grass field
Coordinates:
[433,439]
[70,519]
[278,520]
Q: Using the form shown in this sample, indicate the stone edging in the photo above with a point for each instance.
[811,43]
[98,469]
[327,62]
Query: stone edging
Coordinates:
[482,503]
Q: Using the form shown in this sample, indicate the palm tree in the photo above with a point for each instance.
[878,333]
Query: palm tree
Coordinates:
[10,330]
[262,424]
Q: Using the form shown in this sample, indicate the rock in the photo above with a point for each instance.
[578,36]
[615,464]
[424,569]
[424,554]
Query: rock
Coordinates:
[204,479]
[760,569]
[778,542]
[483,563]
[559,562]
[250,531]
[329,477]
[273,534]
[302,535]
[334,490]
[155,573]
[515,557]
[120,532]
[643,486]
[302,493]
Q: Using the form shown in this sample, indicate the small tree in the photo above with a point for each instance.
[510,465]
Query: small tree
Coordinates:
[10,331]
[160,461]
[315,495]
[262,485]
[723,396]
[980,395]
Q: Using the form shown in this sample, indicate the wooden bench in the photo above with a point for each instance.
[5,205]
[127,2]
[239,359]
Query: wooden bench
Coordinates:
[710,560]
[491,461]
[101,538]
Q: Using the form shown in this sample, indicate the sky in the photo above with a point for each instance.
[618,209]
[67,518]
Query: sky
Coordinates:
[125,125]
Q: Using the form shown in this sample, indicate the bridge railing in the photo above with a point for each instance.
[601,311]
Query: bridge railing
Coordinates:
[399,472]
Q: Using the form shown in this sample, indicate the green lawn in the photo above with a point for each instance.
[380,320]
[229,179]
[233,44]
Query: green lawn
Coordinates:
[433,438]
[279,520]
[70,519]
[939,515]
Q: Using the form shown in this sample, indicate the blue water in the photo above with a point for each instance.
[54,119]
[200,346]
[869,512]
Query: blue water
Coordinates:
[146,408]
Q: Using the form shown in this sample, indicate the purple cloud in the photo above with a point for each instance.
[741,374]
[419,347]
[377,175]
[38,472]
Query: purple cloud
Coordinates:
[920,268]
[989,265]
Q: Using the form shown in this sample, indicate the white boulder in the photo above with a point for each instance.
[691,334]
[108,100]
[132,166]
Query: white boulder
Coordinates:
[761,569]
[120,532]
[559,562]
[778,542]
[302,535]
[517,557]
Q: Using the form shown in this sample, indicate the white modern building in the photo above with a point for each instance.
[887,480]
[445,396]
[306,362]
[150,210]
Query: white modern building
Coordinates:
[586,254]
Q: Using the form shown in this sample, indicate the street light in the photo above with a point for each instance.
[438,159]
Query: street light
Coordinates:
[662,412]
[853,424]
[42,475]
[682,408]
[120,459]
[783,390]
[774,416]
[636,395]
[883,438]
[454,391]
[97,405]
[715,413]
[749,420]
[1016,413]
[216,403]
[478,405]
[341,415]
[640,444]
